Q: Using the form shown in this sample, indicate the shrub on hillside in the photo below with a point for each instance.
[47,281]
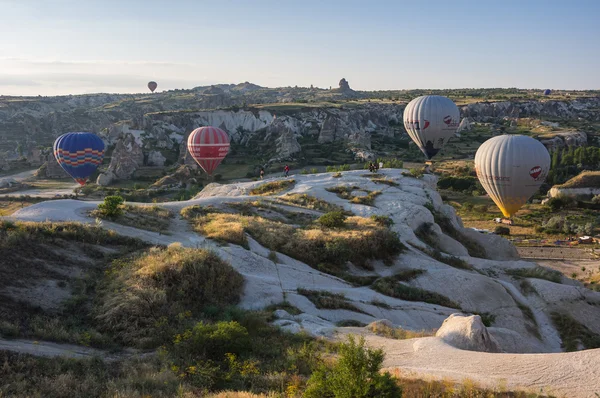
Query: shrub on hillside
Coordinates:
[147,295]
[463,184]
[414,172]
[331,169]
[481,209]
[356,374]
[499,230]
[333,219]
[111,207]
[561,202]
[596,200]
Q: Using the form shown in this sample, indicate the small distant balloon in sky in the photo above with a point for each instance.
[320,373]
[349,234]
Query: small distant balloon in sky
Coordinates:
[152,86]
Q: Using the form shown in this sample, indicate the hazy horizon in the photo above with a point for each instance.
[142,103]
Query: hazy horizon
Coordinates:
[70,47]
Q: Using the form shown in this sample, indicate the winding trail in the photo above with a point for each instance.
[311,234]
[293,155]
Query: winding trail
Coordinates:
[49,349]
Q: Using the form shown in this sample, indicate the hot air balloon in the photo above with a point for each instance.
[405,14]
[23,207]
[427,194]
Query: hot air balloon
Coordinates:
[152,86]
[547,91]
[79,154]
[511,168]
[208,146]
[430,121]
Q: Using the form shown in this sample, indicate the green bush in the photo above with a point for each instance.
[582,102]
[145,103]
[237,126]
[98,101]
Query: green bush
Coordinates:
[463,184]
[354,375]
[212,341]
[560,202]
[481,209]
[343,167]
[333,219]
[414,172]
[111,207]
[502,230]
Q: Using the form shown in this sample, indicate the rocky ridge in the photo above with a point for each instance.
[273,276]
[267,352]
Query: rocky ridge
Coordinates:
[521,322]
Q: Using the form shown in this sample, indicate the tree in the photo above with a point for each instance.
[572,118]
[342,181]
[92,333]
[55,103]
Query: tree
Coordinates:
[354,375]
[555,159]
[111,207]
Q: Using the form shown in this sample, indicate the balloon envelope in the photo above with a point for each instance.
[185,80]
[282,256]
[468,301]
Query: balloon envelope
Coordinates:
[79,154]
[208,146]
[430,121]
[152,86]
[547,92]
[511,168]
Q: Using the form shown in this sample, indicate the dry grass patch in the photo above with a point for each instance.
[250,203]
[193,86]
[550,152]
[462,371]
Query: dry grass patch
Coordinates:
[327,300]
[390,286]
[224,228]
[7,208]
[345,192]
[585,179]
[368,200]
[310,202]
[191,212]
[381,329]
[150,218]
[30,376]
[360,241]
[385,181]
[147,295]
[271,211]
[273,187]
[536,272]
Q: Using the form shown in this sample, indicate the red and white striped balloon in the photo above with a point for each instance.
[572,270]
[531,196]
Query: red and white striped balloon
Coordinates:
[208,146]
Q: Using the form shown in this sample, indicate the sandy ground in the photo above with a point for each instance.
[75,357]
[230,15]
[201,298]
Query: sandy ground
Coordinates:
[556,253]
[575,374]
[570,267]
[67,189]
[20,176]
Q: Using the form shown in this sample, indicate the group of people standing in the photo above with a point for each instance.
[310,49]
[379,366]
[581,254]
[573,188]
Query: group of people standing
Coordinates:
[374,167]
[286,171]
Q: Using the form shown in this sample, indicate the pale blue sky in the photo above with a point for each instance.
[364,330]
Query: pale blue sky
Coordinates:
[64,46]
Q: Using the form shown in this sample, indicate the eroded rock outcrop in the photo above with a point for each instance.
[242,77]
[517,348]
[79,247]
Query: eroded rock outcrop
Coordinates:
[467,333]
[126,158]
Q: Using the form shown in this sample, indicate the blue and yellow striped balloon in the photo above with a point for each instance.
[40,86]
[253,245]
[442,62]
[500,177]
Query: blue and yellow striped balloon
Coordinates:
[79,154]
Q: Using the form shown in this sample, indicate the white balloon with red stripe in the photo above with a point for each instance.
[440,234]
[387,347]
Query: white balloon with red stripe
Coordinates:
[208,146]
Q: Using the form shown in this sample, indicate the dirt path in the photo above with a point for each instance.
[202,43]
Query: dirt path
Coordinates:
[48,349]
[555,253]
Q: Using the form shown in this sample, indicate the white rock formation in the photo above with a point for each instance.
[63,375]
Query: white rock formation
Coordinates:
[487,288]
[155,158]
[467,333]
